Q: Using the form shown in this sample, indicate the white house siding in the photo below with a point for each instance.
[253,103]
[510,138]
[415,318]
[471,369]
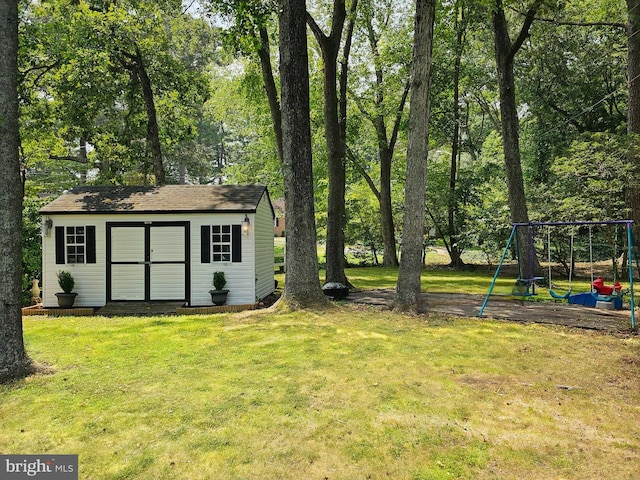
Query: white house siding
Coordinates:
[264,249]
[91,278]
[240,279]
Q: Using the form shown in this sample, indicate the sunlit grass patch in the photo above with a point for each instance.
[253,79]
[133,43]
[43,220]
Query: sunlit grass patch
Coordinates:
[354,394]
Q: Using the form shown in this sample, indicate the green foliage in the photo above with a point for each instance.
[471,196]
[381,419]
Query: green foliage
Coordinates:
[589,183]
[487,210]
[219,280]
[571,80]
[66,281]
[82,82]
[239,126]
[362,229]
[215,125]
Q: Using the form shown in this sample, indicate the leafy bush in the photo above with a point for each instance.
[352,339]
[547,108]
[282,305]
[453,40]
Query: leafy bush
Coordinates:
[66,281]
[219,280]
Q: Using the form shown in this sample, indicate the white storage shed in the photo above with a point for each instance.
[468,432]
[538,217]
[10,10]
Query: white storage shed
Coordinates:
[149,244]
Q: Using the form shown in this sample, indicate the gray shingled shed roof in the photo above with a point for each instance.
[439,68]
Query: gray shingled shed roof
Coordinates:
[164,199]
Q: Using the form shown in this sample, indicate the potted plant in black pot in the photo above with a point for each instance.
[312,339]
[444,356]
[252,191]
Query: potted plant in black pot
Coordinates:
[66,282]
[219,293]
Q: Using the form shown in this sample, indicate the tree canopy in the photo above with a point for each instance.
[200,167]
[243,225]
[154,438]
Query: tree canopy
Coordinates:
[533,104]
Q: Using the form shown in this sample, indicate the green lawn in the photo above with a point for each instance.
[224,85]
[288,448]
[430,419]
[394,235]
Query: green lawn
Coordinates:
[446,280]
[344,394]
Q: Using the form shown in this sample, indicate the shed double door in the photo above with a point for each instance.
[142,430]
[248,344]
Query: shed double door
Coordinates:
[148,261]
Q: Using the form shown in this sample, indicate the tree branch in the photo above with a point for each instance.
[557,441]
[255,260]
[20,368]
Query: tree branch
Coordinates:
[68,158]
[524,31]
[361,107]
[396,124]
[583,24]
[573,24]
[351,156]
[316,30]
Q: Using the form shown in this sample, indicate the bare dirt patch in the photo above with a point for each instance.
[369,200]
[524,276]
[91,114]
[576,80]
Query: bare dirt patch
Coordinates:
[508,308]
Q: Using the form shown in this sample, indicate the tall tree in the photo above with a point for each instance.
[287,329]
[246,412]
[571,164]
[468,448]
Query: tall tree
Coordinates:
[408,289]
[250,35]
[14,361]
[453,246]
[134,62]
[505,53]
[129,81]
[385,105]
[302,288]
[335,136]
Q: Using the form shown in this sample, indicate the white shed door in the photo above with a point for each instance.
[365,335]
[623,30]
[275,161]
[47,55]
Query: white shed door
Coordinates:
[128,263]
[167,263]
[148,262]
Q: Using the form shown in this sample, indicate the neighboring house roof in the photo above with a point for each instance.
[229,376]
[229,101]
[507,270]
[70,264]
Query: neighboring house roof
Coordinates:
[163,199]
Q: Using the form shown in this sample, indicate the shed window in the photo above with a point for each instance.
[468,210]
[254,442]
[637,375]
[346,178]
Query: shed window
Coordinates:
[76,244]
[221,243]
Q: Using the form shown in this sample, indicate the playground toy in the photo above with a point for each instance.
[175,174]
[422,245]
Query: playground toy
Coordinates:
[602,289]
[602,296]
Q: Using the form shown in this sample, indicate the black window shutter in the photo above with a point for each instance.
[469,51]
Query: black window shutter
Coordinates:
[91,243]
[236,243]
[205,244]
[60,257]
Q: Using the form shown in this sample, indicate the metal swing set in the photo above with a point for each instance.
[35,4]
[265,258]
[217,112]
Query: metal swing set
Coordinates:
[526,282]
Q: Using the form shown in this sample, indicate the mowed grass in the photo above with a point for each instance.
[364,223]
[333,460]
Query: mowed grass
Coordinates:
[342,394]
[447,280]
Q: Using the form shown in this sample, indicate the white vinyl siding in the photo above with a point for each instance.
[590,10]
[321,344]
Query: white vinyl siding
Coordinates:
[248,280]
[240,275]
[264,267]
[89,277]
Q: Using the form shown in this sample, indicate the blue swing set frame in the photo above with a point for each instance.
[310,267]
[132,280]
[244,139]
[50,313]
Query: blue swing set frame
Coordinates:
[526,282]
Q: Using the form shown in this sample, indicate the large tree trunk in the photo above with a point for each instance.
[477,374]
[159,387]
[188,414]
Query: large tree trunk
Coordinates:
[390,257]
[633,115]
[505,52]
[14,362]
[336,149]
[408,294]
[337,180]
[302,288]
